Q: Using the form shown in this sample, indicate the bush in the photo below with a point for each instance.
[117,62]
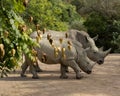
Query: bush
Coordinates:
[116,36]
[105,27]
[14,39]
[78,25]
[52,14]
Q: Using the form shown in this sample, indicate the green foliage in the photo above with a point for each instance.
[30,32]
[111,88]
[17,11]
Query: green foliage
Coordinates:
[116,36]
[116,41]
[78,25]
[52,14]
[16,5]
[105,27]
[78,3]
[14,39]
[102,18]
[95,23]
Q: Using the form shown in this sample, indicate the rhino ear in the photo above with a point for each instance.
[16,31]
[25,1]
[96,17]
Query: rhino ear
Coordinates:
[95,38]
[87,39]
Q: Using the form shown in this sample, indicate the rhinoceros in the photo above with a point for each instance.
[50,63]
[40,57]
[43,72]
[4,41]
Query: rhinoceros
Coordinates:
[83,37]
[67,53]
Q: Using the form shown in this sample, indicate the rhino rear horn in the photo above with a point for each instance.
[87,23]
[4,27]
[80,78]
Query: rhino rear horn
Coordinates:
[101,48]
[95,38]
[86,49]
[87,38]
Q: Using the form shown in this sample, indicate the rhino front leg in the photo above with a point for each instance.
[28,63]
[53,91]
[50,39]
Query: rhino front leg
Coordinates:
[63,72]
[75,67]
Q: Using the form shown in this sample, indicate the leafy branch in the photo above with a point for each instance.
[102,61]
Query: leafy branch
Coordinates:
[14,37]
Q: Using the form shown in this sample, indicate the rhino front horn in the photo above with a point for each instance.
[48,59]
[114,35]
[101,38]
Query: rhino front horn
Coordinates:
[107,51]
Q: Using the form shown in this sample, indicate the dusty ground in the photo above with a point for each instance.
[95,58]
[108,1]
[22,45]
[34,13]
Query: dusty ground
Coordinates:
[104,81]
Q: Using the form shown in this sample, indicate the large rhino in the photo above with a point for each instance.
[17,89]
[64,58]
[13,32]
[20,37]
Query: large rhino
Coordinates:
[67,53]
[93,53]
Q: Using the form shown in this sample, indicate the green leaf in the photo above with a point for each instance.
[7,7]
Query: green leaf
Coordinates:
[11,21]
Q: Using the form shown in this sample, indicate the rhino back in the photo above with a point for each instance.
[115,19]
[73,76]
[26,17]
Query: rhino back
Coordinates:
[49,50]
[80,36]
[54,34]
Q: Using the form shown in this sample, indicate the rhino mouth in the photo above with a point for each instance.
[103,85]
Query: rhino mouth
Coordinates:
[100,62]
[89,72]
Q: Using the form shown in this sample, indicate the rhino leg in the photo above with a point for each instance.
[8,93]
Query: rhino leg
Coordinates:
[24,67]
[66,69]
[75,67]
[37,68]
[63,72]
[33,71]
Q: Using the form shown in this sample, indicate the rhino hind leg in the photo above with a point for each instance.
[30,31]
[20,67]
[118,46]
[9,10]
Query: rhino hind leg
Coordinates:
[37,68]
[33,71]
[63,72]
[24,67]
[66,69]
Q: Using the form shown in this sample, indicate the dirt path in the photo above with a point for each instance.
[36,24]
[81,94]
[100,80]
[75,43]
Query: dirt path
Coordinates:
[104,81]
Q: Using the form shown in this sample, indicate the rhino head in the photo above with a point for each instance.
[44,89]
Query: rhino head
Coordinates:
[94,53]
[82,60]
[97,55]
[85,63]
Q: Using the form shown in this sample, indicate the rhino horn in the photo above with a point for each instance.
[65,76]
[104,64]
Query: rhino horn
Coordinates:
[95,38]
[101,48]
[86,49]
[107,52]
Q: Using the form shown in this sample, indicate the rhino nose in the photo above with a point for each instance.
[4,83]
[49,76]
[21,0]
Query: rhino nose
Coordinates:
[89,72]
[100,62]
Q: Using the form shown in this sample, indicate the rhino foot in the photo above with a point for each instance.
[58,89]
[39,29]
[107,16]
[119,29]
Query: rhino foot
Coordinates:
[66,69]
[35,77]
[39,70]
[23,75]
[63,76]
[79,77]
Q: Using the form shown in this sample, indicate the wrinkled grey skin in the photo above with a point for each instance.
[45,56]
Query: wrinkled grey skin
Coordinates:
[83,37]
[76,57]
